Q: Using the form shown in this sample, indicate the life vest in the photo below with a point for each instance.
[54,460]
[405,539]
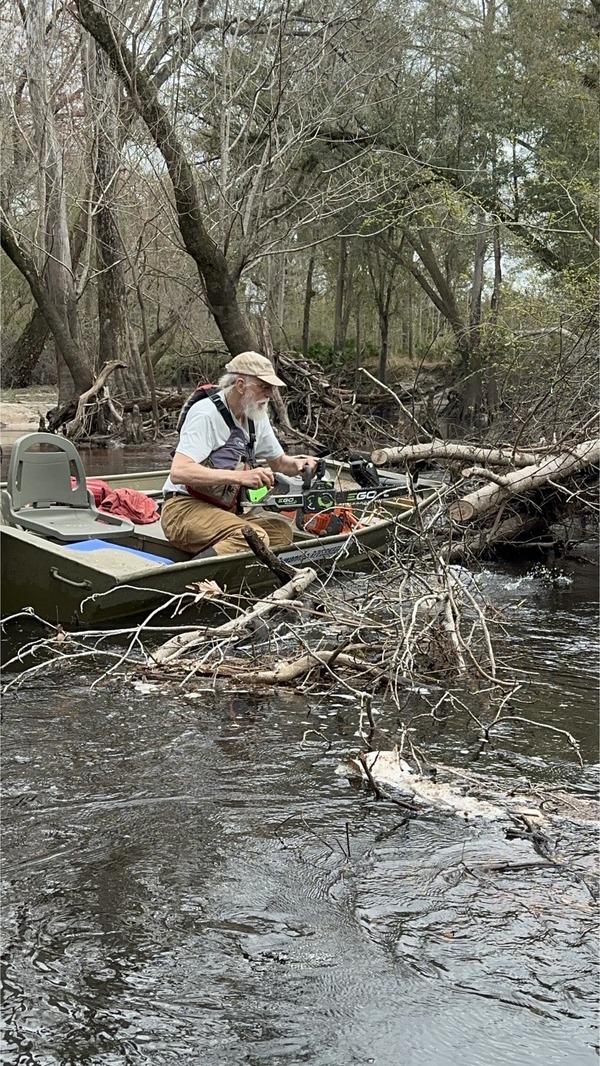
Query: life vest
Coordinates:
[236,454]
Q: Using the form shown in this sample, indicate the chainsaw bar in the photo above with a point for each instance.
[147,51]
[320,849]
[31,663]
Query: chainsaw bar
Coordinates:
[321,499]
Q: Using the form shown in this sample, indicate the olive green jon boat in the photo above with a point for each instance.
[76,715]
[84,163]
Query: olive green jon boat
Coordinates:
[133,571]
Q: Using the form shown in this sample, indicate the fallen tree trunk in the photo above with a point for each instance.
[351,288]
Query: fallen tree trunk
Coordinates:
[468,795]
[72,428]
[526,480]
[169,401]
[500,533]
[452,452]
[72,425]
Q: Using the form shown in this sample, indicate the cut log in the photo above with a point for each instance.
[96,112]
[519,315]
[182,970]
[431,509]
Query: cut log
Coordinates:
[442,449]
[526,480]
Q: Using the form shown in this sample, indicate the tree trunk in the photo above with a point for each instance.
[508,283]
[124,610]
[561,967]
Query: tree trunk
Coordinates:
[57,270]
[491,381]
[339,332]
[309,293]
[384,300]
[409,326]
[472,394]
[113,340]
[384,332]
[382,262]
[276,286]
[358,347]
[19,364]
[79,367]
[217,280]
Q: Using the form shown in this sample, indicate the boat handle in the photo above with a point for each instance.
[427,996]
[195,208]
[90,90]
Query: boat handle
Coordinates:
[67,580]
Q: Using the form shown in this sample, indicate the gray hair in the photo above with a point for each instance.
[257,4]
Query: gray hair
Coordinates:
[227,381]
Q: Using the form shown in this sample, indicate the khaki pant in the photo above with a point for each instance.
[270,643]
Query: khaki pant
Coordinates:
[193,525]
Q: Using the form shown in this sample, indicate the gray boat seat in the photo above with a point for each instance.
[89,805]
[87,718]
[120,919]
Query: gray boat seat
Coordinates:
[46,493]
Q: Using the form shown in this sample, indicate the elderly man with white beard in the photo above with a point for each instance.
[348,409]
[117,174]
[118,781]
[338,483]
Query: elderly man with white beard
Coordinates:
[221,437]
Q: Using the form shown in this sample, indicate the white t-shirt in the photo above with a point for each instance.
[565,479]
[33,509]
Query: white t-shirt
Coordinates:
[205,429]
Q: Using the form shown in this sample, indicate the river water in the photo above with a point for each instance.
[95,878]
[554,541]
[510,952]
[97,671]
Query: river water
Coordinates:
[186,879]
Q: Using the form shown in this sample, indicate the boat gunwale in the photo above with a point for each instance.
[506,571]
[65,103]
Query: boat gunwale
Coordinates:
[194,562]
[330,551]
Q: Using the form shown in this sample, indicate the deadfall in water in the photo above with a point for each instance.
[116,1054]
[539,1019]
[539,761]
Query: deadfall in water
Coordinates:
[188,878]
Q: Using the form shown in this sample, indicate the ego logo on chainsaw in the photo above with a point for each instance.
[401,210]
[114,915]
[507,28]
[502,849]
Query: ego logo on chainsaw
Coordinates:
[318,501]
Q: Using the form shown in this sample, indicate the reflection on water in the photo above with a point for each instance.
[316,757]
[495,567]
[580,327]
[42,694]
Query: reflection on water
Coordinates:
[188,881]
[99,462]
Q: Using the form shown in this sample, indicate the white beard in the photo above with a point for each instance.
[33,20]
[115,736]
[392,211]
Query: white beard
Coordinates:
[255,409]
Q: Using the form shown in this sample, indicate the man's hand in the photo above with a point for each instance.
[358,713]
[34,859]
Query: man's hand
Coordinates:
[255,478]
[292,465]
[305,460]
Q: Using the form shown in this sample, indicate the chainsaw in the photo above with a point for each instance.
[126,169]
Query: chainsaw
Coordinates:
[313,491]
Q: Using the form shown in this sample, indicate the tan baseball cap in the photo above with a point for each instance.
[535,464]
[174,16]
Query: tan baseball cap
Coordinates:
[257,366]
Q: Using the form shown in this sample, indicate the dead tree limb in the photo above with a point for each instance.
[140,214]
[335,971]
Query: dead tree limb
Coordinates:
[282,571]
[73,426]
[441,449]
[184,642]
[476,543]
[482,471]
[526,480]
[284,672]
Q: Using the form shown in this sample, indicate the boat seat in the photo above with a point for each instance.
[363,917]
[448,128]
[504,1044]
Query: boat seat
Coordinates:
[46,493]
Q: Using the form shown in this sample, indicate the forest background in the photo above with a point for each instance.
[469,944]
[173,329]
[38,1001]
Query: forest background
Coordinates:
[411,188]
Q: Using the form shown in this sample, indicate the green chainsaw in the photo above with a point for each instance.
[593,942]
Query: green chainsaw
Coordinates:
[311,493]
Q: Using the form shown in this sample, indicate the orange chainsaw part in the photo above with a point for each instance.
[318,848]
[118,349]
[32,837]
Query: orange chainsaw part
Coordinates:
[332,522]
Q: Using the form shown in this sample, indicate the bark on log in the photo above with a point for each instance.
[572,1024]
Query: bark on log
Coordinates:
[552,468]
[282,571]
[184,642]
[441,449]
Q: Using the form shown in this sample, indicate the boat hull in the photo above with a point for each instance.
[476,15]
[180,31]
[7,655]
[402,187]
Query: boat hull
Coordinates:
[143,572]
[61,587]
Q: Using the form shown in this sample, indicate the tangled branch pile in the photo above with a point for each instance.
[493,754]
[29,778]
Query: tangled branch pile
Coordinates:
[504,496]
[420,638]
